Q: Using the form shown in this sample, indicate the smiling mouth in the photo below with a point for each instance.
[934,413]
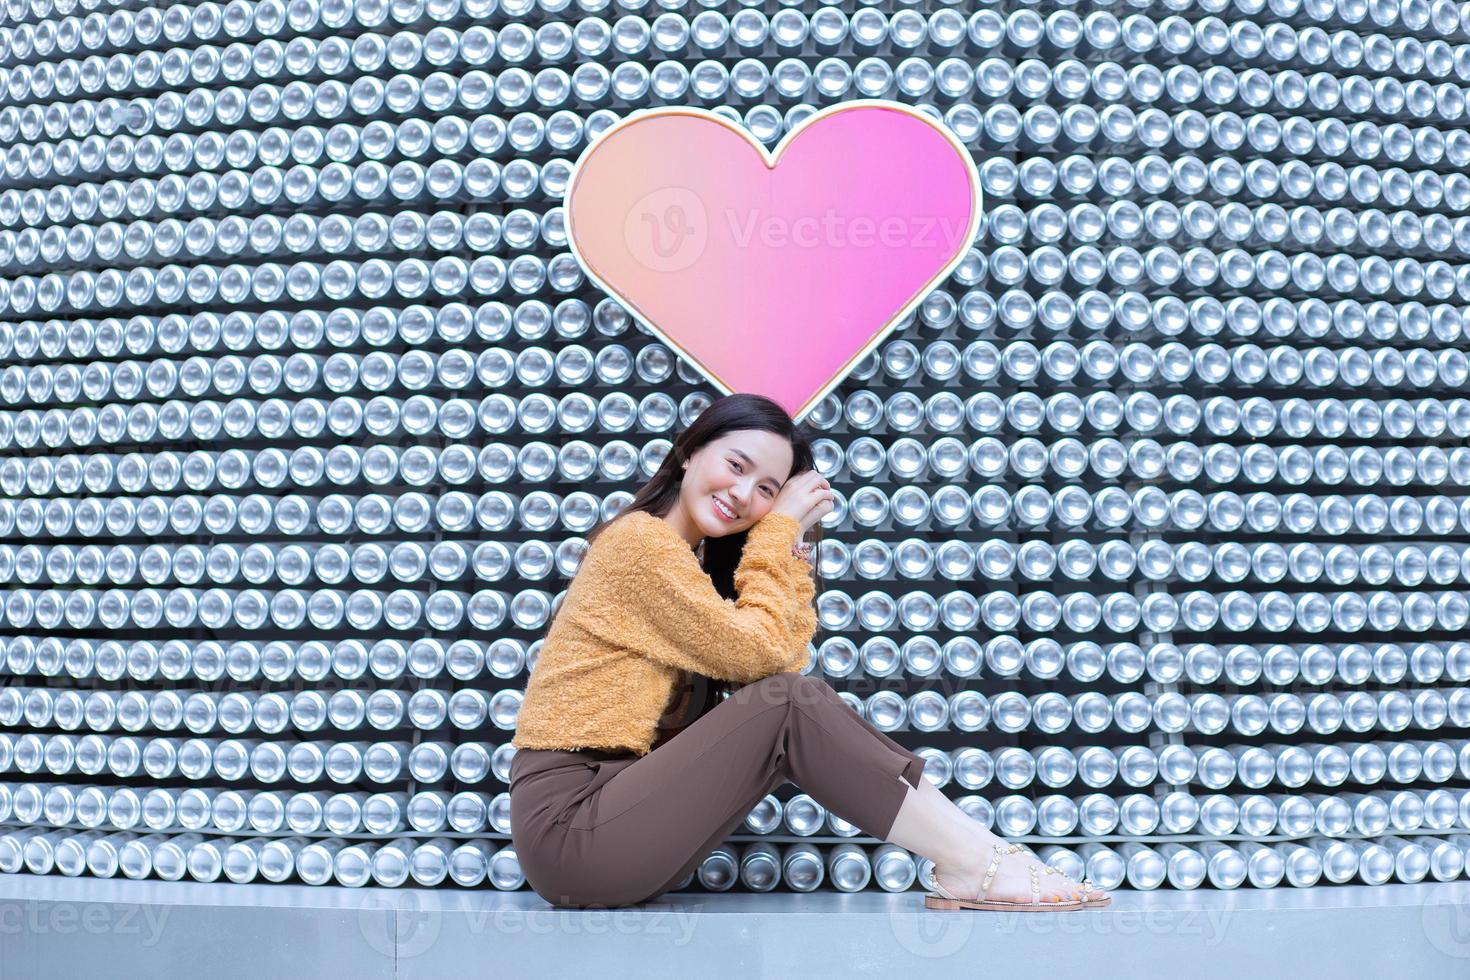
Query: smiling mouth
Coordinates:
[722,511]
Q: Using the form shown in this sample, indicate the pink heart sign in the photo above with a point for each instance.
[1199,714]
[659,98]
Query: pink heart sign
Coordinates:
[773,272]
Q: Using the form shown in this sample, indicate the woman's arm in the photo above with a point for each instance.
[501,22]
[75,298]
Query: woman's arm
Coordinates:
[662,605]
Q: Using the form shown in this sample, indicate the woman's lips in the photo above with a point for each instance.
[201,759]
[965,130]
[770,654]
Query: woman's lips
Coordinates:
[714,505]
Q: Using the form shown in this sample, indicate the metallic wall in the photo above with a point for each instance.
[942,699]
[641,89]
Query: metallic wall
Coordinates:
[1153,531]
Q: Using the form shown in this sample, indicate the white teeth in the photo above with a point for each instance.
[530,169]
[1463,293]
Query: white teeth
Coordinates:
[723,509]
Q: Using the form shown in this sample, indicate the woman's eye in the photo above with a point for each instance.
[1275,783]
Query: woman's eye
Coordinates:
[738,470]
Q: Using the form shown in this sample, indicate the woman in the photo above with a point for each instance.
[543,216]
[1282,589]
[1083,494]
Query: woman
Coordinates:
[701,583]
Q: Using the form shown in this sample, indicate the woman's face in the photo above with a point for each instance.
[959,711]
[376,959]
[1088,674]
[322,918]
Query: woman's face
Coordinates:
[744,470]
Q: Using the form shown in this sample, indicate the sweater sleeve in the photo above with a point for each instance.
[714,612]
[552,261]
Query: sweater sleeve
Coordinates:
[804,626]
[677,617]
[803,622]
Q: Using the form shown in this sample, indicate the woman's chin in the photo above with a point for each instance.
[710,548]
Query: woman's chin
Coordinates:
[717,530]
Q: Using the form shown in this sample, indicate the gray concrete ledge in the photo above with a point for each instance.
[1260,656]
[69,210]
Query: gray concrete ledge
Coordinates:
[53,926]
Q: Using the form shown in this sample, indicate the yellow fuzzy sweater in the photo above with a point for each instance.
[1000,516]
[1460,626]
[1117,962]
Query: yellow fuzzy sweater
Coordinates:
[641,614]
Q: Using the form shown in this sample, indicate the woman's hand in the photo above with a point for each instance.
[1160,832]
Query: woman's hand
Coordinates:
[808,497]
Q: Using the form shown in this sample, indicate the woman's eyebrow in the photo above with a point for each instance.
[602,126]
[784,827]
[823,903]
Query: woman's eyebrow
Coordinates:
[751,463]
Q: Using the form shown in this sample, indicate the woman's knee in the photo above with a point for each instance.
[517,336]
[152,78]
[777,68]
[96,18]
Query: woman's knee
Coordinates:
[787,686]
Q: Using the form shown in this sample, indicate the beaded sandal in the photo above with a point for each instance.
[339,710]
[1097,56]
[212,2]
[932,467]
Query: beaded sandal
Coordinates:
[942,898]
[1087,886]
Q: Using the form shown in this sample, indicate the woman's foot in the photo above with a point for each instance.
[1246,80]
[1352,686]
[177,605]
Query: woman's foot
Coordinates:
[1013,880]
[1089,892]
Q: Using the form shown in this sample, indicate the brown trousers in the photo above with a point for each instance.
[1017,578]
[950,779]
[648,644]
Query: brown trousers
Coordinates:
[606,829]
